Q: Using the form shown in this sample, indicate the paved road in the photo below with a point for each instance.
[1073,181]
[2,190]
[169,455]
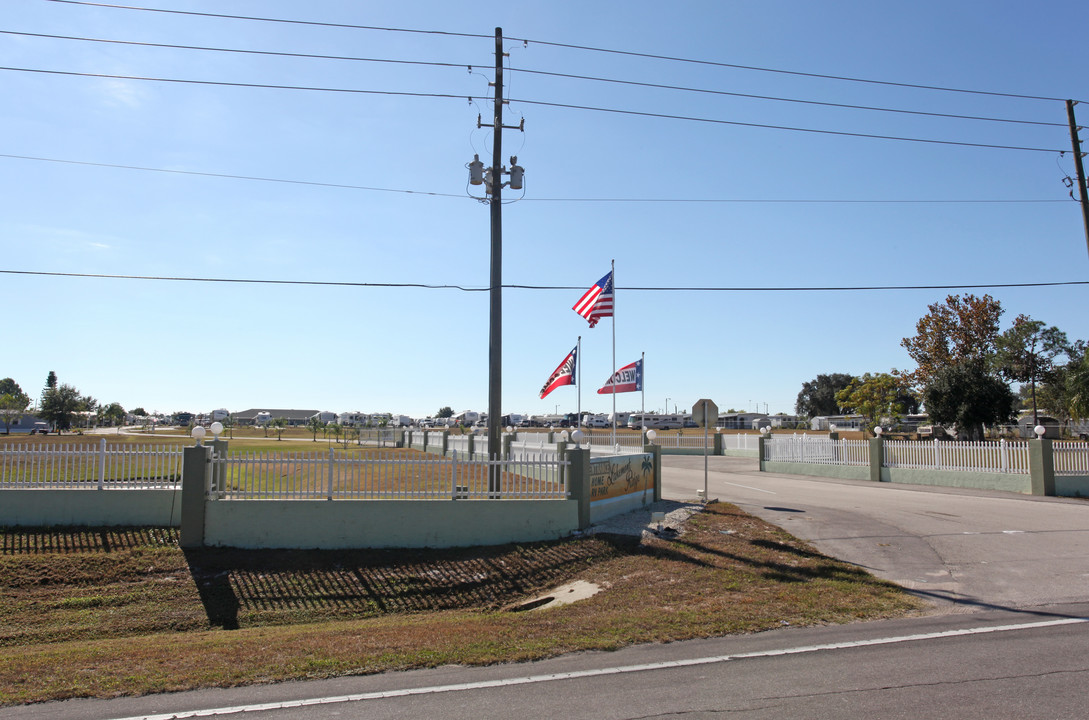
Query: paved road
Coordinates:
[999,645]
[985,666]
[966,550]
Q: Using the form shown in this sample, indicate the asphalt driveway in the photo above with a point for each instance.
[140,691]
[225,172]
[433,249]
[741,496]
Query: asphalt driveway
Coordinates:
[965,550]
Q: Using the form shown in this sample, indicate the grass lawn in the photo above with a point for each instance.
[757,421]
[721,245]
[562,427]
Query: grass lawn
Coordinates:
[107,612]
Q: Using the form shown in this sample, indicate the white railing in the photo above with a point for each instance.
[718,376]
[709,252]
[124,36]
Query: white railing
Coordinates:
[692,440]
[740,441]
[818,450]
[999,457]
[601,438]
[382,476]
[90,466]
[1071,458]
[380,437]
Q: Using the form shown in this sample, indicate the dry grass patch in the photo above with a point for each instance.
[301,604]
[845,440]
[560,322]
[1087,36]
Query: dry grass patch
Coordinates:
[110,612]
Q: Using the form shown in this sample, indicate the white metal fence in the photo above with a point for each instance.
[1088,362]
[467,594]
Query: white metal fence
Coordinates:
[740,441]
[379,476]
[998,457]
[818,450]
[1071,458]
[90,466]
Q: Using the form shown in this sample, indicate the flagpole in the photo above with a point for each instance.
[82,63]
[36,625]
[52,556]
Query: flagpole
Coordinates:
[613,273]
[643,388]
[578,394]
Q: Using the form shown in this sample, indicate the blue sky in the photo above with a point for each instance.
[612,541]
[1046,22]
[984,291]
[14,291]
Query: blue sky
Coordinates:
[376,192]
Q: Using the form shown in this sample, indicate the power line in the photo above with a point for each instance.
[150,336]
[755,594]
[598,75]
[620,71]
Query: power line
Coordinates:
[221,83]
[463,288]
[272,20]
[541,103]
[544,73]
[846,106]
[274,53]
[570,46]
[844,78]
[343,186]
[229,176]
[737,123]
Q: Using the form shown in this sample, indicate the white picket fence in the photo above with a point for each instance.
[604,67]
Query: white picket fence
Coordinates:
[90,466]
[1071,458]
[376,476]
[997,457]
[1004,456]
[817,450]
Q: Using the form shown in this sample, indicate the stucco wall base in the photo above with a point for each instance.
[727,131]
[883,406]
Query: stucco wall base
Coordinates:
[1072,485]
[847,472]
[947,478]
[341,524]
[90,508]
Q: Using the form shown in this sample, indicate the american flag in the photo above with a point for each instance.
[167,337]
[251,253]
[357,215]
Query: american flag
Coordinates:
[598,301]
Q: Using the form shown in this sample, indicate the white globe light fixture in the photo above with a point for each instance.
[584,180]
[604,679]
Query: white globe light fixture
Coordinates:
[577,436]
[217,430]
[877,431]
[1039,430]
[650,436]
[198,434]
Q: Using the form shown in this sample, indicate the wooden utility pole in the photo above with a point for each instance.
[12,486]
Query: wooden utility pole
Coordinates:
[495,337]
[1080,170]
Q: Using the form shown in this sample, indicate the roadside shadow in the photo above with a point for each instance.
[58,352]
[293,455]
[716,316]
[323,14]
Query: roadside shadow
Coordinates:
[214,587]
[246,587]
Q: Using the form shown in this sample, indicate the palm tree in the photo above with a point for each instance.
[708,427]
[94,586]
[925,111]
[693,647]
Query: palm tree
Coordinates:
[314,425]
[335,429]
[279,424]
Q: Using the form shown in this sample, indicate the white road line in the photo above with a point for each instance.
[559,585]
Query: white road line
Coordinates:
[749,487]
[599,672]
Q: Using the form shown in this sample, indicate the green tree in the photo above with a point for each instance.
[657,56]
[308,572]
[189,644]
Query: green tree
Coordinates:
[13,403]
[12,407]
[113,414]
[967,396]
[278,424]
[10,387]
[1026,353]
[445,412]
[1077,387]
[818,396]
[314,425]
[960,330]
[335,430]
[140,412]
[60,405]
[877,397]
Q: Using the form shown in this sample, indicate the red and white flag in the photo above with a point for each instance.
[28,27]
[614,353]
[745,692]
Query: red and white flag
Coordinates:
[627,379]
[597,302]
[563,375]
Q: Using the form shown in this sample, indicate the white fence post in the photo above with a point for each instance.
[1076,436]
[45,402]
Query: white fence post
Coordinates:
[101,463]
[332,472]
